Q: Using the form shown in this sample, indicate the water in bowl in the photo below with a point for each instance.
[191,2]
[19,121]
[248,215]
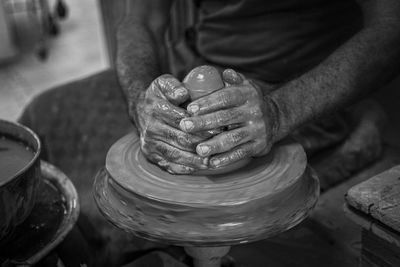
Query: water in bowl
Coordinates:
[14,156]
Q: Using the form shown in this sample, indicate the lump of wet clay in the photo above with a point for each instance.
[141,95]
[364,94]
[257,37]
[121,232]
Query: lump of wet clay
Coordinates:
[202,81]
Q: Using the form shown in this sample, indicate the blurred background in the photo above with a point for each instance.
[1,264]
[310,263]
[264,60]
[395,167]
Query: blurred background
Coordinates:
[39,49]
[42,46]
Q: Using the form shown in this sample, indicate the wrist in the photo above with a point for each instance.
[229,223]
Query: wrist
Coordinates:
[276,118]
[272,119]
[134,105]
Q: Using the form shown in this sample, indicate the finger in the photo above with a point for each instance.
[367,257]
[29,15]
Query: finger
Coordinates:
[213,120]
[232,77]
[174,155]
[169,166]
[169,113]
[241,152]
[172,89]
[175,137]
[224,142]
[174,168]
[179,169]
[222,99]
[153,157]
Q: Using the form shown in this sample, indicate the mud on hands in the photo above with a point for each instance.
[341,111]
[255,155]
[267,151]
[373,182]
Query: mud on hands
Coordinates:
[249,117]
[158,117]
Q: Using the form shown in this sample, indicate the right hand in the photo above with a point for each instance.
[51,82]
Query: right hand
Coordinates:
[157,116]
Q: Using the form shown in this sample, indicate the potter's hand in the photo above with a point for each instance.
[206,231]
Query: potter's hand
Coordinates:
[157,117]
[249,117]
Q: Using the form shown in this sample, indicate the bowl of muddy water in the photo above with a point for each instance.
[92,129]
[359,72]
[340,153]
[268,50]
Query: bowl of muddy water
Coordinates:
[19,175]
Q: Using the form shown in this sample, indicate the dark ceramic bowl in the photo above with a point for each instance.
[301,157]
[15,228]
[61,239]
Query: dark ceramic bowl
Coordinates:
[18,192]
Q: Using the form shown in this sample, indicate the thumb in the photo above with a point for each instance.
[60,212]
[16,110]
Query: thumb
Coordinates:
[231,77]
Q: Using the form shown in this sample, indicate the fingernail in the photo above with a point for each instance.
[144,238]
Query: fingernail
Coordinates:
[183,140]
[215,162]
[203,150]
[163,163]
[193,108]
[203,167]
[186,125]
[180,92]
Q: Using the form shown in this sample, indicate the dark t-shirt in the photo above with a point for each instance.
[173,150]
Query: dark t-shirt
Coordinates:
[273,40]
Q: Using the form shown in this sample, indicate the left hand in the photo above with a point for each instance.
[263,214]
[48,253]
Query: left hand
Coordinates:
[250,119]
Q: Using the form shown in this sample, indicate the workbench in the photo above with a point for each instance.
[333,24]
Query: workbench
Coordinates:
[374,205]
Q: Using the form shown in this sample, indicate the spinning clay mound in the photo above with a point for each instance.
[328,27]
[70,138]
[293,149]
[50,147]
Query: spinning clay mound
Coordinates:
[265,175]
[247,201]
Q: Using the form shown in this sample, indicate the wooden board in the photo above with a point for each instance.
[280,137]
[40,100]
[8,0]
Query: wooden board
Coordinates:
[379,197]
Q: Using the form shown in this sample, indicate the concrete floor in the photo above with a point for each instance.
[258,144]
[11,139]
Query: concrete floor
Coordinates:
[77,52]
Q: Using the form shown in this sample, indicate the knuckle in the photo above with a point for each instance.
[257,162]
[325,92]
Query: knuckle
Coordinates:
[152,89]
[167,82]
[161,106]
[205,104]
[149,130]
[160,148]
[185,140]
[223,117]
[240,95]
[236,114]
[216,147]
[153,157]
[170,135]
[224,98]
[187,170]
[240,154]
[162,79]
[256,112]
[200,122]
[191,160]
[173,154]
[182,140]
[164,76]
[237,137]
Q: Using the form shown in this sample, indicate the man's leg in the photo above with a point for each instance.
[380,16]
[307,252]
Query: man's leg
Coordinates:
[339,146]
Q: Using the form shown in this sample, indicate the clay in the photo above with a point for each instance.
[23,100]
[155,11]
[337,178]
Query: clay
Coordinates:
[206,212]
[202,81]
[270,195]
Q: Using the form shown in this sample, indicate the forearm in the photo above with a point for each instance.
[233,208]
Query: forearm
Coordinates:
[362,64]
[137,60]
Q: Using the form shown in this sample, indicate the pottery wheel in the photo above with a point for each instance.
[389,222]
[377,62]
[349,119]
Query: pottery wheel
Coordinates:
[269,195]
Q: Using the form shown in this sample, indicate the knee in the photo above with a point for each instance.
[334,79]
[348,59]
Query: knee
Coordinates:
[39,107]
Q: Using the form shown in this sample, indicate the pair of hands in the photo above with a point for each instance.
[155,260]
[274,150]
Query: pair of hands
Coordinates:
[172,137]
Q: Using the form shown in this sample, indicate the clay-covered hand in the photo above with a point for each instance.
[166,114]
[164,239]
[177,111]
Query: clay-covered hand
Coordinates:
[157,118]
[250,120]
